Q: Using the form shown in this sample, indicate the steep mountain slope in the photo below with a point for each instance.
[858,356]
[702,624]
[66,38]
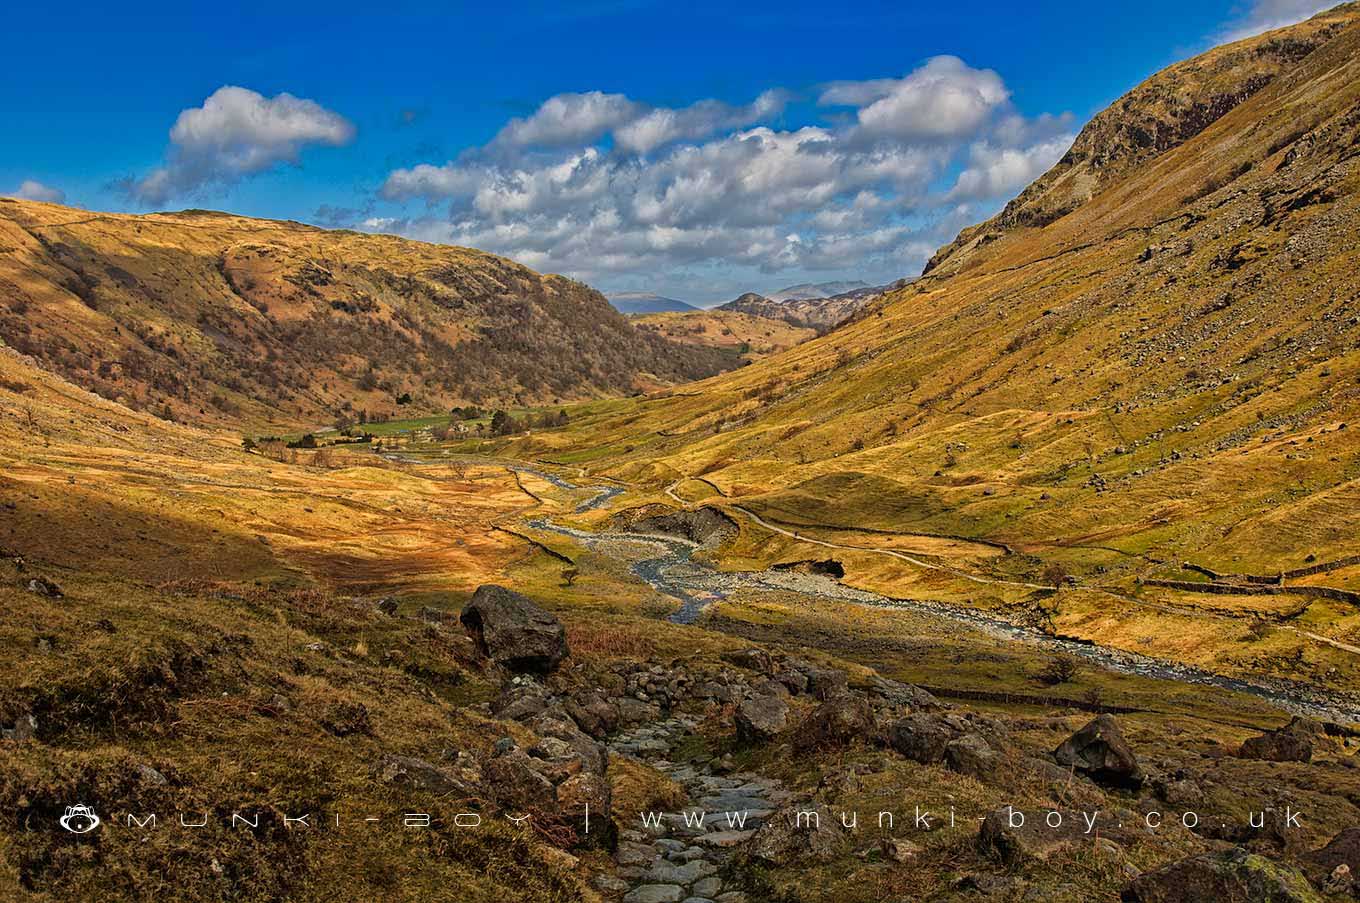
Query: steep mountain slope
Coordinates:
[634,303]
[1167,372]
[208,316]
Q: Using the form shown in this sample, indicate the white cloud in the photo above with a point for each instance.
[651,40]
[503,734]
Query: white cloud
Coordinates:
[1000,172]
[237,133]
[945,98]
[1266,15]
[33,190]
[570,119]
[602,186]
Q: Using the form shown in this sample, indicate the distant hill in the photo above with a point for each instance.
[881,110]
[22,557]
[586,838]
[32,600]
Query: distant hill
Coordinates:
[806,291]
[743,335]
[207,316]
[818,312]
[633,303]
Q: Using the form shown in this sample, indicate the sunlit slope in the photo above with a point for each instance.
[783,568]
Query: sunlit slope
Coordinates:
[206,316]
[89,486]
[742,335]
[1169,370]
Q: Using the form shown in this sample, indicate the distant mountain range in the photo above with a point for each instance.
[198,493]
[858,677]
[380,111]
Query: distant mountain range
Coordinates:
[807,291]
[821,312]
[646,303]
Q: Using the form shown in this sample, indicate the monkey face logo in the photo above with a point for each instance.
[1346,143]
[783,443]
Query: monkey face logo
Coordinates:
[79,819]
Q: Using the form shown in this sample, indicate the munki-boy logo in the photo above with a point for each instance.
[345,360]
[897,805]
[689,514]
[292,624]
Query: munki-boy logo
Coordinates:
[79,819]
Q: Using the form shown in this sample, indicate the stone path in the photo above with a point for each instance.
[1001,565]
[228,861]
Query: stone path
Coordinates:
[678,860]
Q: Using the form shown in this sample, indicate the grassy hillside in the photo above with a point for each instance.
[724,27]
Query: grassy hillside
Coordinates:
[743,335]
[1168,372]
[206,316]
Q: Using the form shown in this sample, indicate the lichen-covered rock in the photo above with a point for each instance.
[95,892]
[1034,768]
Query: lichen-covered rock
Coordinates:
[762,717]
[1234,875]
[800,832]
[513,632]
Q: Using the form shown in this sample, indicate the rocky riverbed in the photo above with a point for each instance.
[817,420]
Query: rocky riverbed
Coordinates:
[667,563]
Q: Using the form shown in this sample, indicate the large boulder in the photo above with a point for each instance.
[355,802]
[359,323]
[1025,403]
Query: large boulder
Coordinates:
[584,801]
[513,632]
[972,755]
[1100,752]
[1291,743]
[517,783]
[838,721]
[1234,875]
[762,717]
[798,832]
[922,737]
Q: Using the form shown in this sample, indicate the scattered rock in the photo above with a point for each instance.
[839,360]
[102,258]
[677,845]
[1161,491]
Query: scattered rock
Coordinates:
[802,831]
[972,755]
[513,632]
[1234,875]
[417,774]
[516,784]
[387,606]
[757,660]
[149,775]
[1100,751]
[922,737]
[25,727]
[44,587]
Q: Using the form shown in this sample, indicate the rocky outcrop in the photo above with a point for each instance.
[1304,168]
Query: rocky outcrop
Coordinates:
[513,632]
[706,526]
[1235,875]
[1100,752]
[1292,743]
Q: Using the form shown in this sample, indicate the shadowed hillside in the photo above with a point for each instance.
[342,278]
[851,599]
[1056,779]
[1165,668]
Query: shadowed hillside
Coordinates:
[200,315]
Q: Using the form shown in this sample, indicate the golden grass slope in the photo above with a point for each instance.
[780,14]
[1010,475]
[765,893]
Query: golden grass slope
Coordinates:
[210,317]
[1168,372]
[744,335]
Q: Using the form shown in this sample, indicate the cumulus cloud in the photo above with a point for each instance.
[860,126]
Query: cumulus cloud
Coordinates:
[1265,15]
[570,119]
[33,190]
[997,171]
[605,187]
[237,133]
[945,98]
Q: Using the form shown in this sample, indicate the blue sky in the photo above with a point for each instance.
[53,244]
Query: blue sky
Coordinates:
[697,149]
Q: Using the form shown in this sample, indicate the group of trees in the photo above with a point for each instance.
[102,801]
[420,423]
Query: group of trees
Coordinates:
[503,424]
